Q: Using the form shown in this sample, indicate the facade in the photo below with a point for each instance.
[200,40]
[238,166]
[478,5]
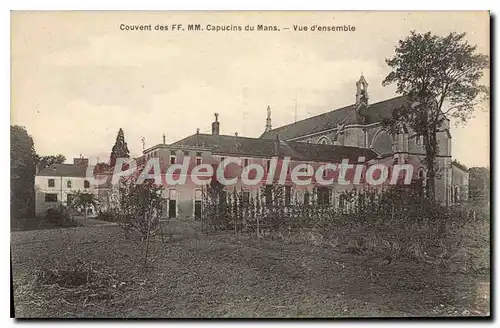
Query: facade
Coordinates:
[360,125]
[347,133]
[56,183]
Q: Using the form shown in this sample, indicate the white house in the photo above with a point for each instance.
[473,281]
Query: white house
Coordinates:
[56,183]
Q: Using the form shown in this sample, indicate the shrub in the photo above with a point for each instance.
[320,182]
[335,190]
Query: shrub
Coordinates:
[109,216]
[60,216]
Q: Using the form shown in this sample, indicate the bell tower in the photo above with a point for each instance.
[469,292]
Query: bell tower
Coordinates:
[361,91]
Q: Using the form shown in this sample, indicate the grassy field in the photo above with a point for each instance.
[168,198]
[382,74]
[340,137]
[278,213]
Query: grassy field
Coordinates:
[192,275]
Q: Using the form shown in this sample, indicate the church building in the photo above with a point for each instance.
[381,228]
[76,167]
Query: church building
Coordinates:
[349,132]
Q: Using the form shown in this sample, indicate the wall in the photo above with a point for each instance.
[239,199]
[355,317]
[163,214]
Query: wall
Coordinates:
[62,191]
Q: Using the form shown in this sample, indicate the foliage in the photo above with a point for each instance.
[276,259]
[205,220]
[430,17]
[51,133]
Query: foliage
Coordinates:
[60,216]
[140,207]
[120,149]
[394,223]
[479,183]
[432,71]
[83,201]
[109,216]
[43,162]
[22,172]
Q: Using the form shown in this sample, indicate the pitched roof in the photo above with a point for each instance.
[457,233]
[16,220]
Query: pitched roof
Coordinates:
[373,113]
[64,170]
[255,147]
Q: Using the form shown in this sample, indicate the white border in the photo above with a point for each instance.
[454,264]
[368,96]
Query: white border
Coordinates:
[185,5]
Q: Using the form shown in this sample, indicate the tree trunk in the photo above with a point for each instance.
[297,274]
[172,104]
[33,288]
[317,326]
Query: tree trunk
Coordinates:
[430,156]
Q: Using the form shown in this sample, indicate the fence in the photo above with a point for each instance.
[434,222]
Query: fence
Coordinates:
[272,208]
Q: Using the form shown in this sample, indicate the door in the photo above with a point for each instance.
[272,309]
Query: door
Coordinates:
[69,200]
[172,203]
[197,204]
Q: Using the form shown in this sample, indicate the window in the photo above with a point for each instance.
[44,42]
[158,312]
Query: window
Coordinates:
[198,194]
[288,195]
[325,173]
[50,198]
[269,195]
[52,182]
[324,141]
[307,198]
[86,184]
[172,159]
[222,198]
[418,140]
[268,165]
[198,158]
[245,162]
[246,198]
[68,184]
[456,193]
[323,196]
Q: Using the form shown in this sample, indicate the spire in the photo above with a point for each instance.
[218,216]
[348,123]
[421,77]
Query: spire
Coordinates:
[362,91]
[268,119]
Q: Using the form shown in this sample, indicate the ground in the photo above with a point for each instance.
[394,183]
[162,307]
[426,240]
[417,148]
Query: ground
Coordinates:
[195,275]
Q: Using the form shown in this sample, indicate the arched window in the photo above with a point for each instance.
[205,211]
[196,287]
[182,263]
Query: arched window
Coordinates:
[68,184]
[86,184]
[456,194]
[324,141]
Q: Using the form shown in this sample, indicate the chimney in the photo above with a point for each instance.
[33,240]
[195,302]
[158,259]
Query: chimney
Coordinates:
[81,161]
[215,125]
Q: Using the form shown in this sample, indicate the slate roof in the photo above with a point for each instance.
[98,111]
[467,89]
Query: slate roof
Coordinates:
[64,170]
[373,113]
[256,147]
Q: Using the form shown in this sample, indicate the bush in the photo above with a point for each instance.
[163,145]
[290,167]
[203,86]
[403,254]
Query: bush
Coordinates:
[109,216]
[60,217]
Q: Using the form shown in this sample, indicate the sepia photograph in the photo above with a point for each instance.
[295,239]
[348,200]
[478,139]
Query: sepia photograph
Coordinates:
[250,164]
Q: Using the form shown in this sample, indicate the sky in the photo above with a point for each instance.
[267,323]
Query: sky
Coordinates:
[77,77]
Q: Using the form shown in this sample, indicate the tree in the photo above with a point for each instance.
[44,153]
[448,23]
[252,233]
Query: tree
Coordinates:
[83,201]
[46,161]
[120,149]
[139,208]
[433,71]
[22,172]
[479,183]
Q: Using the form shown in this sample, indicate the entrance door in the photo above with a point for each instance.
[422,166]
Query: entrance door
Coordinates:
[197,204]
[172,203]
